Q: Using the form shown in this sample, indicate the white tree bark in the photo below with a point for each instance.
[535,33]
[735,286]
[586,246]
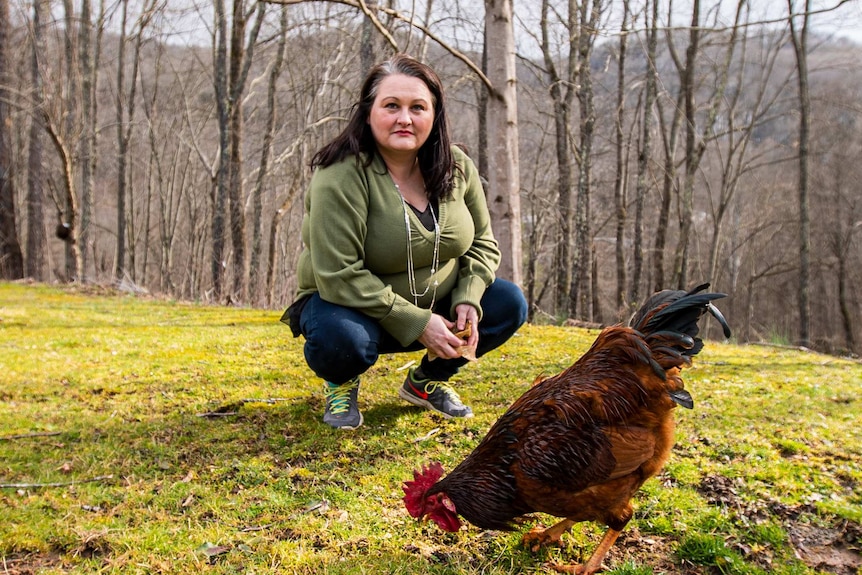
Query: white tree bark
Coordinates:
[504,180]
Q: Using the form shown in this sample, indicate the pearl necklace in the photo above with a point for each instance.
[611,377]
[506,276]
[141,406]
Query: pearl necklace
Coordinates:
[411,270]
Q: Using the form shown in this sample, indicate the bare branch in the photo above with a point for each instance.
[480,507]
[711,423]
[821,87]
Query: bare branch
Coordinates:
[360,5]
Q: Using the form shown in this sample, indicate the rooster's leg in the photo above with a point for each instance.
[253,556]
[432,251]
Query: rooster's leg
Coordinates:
[595,562]
[540,536]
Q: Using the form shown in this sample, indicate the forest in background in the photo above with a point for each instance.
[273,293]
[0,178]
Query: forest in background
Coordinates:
[163,146]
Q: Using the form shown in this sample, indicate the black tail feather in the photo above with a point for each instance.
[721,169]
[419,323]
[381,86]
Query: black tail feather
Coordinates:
[677,311]
[720,318]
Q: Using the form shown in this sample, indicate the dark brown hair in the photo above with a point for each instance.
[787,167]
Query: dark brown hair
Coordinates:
[435,156]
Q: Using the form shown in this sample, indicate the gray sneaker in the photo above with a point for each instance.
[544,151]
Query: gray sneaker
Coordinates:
[342,409]
[434,395]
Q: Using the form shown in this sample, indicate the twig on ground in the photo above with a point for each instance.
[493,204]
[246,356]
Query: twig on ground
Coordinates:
[58,484]
[428,435]
[28,435]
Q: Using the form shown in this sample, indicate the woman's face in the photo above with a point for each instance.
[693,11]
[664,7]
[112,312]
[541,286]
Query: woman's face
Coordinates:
[402,114]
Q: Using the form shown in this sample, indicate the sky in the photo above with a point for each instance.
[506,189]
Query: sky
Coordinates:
[842,18]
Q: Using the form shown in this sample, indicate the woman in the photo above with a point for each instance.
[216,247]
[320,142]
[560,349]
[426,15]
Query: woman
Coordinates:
[399,251]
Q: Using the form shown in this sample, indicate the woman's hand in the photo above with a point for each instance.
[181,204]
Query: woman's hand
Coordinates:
[467,313]
[438,338]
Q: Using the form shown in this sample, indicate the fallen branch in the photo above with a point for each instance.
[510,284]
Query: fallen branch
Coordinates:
[27,435]
[58,484]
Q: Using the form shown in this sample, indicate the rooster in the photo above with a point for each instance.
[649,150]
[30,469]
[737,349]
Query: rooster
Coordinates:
[580,444]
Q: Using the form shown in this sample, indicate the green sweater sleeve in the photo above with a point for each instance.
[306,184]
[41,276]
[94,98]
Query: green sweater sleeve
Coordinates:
[335,232]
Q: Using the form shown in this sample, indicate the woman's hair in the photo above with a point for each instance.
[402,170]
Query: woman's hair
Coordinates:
[435,156]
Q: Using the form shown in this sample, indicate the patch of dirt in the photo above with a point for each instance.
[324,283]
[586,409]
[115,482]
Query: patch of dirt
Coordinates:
[829,548]
[29,564]
[655,551]
[834,550]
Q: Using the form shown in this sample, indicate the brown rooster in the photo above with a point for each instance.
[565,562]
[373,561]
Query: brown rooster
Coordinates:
[580,444]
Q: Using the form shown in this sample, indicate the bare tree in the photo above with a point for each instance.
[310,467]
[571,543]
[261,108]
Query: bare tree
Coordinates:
[744,111]
[255,273]
[645,147]
[697,141]
[842,236]
[69,130]
[692,147]
[87,144]
[125,107]
[220,80]
[37,242]
[166,188]
[581,289]
[837,144]
[11,259]
[621,177]
[232,62]
[799,39]
[504,181]
[562,91]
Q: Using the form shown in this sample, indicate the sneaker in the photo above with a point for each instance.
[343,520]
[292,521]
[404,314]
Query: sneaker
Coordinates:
[434,395]
[342,409]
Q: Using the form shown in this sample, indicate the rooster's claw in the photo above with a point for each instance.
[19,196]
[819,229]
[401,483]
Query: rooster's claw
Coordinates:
[538,537]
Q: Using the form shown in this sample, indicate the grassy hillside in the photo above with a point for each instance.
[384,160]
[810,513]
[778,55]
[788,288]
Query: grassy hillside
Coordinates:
[144,436]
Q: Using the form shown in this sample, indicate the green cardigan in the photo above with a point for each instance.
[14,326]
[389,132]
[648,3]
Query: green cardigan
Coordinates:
[355,245]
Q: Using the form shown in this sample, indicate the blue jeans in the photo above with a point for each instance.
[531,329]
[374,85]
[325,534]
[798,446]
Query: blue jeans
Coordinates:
[341,342]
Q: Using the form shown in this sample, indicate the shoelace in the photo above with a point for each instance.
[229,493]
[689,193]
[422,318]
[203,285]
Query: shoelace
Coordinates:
[339,397]
[433,386]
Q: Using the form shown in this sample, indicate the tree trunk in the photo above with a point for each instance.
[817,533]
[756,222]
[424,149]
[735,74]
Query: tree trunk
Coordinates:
[70,198]
[88,136]
[504,200]
[482,108]
[231,131]
[562,100]
[644,152]
[11,259]
[66,124]
[621,177]
[367,46]
[122,149]
[800,48]
[670,136]
[235,191]
[580,295]
[686,198]
[220,183]
[37,241]
[255,270]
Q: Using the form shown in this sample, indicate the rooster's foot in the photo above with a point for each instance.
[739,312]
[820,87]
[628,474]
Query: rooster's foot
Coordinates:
[539,537]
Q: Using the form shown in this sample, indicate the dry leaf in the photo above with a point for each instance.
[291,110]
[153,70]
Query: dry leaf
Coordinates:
[188,500]
[466,351]
[211,550]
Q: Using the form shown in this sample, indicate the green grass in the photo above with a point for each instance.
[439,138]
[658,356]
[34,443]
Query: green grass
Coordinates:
[104,393]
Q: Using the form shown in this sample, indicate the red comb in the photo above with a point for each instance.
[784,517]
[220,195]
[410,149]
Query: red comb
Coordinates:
[414,491]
